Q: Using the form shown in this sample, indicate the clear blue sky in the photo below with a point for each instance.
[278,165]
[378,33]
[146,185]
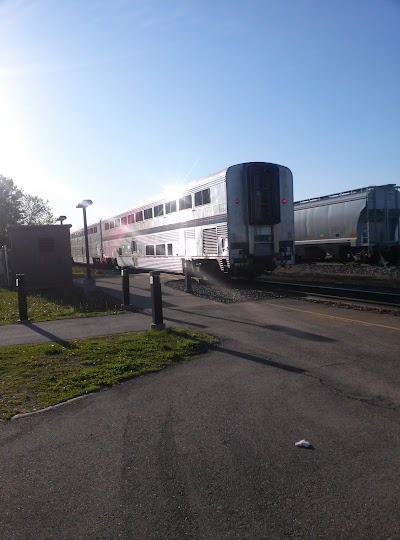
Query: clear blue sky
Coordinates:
[115,100]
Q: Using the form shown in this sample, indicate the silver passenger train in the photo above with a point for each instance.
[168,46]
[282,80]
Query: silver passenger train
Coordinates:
[238,221]
[361,224]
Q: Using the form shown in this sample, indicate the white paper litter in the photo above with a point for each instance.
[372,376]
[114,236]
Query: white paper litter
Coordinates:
[303,444]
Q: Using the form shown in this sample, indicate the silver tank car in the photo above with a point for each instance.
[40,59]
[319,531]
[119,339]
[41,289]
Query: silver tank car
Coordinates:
[362,224]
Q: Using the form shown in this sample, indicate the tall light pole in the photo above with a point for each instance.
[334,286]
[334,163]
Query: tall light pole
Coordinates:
[84,204]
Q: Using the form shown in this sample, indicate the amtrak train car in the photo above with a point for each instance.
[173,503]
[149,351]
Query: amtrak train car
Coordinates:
[238,221]
[362,224]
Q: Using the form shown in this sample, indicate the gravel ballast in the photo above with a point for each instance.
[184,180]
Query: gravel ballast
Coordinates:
[242,292]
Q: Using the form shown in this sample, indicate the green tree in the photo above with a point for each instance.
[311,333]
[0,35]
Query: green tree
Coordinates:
[10,206]
[35,211]
[19,208]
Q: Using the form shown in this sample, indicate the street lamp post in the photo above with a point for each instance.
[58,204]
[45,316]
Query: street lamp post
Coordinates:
[84,204]
[61,219]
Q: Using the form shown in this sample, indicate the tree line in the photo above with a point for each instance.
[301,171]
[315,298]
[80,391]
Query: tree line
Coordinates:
[20,208]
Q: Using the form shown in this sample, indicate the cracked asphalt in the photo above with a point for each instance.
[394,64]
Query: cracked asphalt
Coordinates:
[206,449]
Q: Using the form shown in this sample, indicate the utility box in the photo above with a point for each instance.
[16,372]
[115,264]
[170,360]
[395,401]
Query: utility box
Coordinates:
[43,254]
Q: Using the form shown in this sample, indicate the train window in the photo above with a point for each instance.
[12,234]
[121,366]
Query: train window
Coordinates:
[131,218]
[148,213]
[46,244]
[117,222]
[170,207]
[119,251]
[149,250]
[185,202]
[124,220]
[158,210]
[202,197]
[264,199]
[169,249]
[139,216]
[106,226]
[160,249]
[133,246]
[95,229]
[112,224]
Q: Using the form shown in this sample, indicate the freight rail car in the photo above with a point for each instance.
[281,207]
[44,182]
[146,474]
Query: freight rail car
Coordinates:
[238,221]
[361,224]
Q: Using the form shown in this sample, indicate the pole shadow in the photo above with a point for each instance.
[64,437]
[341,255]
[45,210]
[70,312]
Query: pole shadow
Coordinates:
[260,360]
[48,335]
[273,327]
[253,358]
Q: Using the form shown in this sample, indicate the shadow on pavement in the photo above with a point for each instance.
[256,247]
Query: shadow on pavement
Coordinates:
[260,360]
[298,333]
[48,335]
[275,328]
[169,319]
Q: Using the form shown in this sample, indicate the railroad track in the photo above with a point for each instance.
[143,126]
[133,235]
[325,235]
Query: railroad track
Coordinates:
[354,294]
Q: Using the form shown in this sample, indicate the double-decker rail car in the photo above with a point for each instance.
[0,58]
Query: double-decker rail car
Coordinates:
[238,221]
[361,224]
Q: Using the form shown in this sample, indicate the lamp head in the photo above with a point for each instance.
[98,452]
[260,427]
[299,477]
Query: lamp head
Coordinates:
[84,204]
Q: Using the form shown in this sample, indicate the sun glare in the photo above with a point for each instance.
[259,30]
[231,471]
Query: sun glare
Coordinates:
[172,191]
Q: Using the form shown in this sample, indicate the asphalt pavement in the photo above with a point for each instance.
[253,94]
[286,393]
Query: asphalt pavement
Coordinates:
[206,449]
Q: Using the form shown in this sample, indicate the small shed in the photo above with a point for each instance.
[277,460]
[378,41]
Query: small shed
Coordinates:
[43,254]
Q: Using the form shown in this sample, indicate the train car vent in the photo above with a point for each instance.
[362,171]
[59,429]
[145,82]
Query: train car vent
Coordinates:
[210,244]
[190,233]
[222,230]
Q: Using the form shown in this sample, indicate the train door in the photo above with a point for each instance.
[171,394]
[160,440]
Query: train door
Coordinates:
[223,249]
[190,243]
[134,253]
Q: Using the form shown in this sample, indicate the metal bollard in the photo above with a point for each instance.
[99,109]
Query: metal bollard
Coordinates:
[22,302]
[188,276]
[156,302]
[125,289]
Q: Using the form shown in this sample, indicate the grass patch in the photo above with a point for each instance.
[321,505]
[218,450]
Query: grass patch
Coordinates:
[36,376]
[61,304]
[81,270]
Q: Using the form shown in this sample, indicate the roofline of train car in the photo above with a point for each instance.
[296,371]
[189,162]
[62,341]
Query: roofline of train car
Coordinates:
[345,193]
[162,197]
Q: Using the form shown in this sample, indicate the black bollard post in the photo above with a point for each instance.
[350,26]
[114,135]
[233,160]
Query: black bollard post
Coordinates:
[156,302]
[125,289]
[22,302]
[188,276]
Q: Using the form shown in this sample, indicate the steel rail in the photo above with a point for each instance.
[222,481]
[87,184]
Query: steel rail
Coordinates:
[382,298]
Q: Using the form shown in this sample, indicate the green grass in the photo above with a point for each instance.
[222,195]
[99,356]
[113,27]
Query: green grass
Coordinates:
[81,270]
[56,305]
[36,376]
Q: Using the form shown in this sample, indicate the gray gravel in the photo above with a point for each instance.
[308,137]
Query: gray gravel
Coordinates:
[226,295]
[355,270]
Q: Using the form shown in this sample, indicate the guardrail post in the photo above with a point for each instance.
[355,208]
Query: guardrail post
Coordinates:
[126,302]
[156,302]
[22,301]
[188,276]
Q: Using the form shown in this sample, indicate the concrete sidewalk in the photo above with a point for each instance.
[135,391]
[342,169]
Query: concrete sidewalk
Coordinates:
[137,320]
[183,309]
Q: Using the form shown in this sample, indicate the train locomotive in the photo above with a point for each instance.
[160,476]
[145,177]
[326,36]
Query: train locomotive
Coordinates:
[238,221]
[361,225]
